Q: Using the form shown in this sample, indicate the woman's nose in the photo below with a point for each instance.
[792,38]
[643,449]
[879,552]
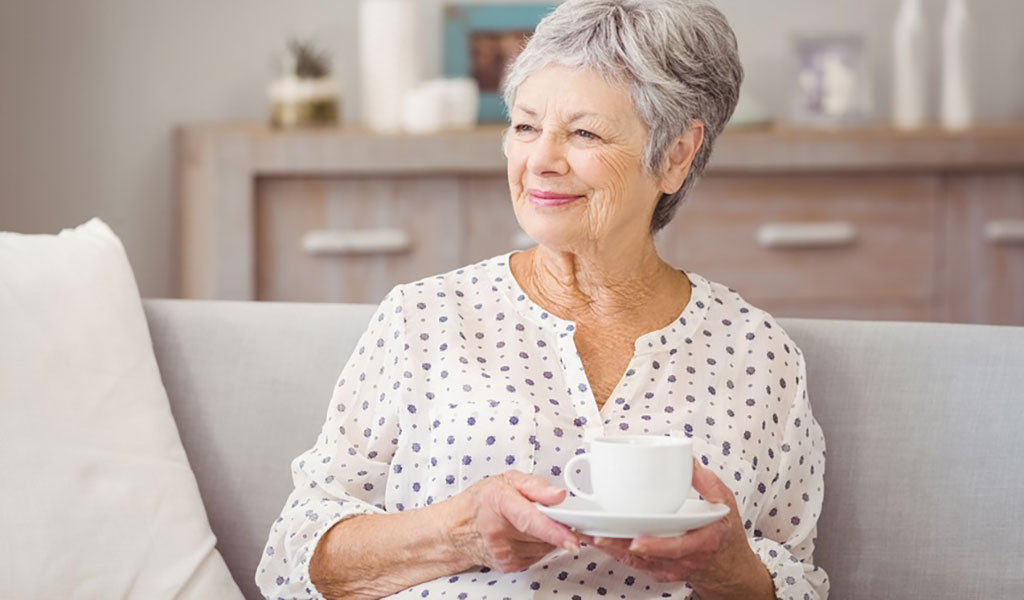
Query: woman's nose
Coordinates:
[547,156]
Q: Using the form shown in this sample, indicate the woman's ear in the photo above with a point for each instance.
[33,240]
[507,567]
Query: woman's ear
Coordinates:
[680,157]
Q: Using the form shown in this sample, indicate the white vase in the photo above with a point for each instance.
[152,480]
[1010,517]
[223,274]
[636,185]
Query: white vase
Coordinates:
[909,99]
[388,60]
[955,106]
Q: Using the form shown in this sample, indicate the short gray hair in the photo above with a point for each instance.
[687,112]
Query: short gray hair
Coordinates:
[679,59]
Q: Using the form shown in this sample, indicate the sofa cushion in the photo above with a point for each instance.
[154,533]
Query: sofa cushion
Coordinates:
[99,500]
[924,478]
[244,415]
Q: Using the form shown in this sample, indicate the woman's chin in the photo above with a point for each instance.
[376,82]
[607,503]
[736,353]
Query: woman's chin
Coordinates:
[551,238]
[553,228]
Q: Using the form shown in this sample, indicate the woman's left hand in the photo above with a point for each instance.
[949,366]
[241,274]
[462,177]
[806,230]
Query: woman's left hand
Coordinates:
[715,559]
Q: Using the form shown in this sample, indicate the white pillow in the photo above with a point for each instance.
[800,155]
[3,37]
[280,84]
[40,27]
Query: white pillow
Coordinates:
[97,500]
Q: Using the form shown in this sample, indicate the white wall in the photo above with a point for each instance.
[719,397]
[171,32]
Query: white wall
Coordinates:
[91,90]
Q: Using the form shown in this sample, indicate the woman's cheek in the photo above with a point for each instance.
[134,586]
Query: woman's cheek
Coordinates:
[515,187]
[611,176]
[516,166]
[616,169]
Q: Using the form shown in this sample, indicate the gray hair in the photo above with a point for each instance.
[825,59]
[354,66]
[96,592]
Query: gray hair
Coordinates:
[679,59]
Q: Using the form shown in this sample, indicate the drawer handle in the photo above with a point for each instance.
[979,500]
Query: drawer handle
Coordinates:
[368,241]
[522,241]
[1005,231]
[806,235]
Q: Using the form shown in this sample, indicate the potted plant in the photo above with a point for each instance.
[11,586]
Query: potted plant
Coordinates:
[305,94]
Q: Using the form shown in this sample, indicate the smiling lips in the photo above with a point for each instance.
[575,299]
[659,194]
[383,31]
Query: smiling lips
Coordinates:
[541,198]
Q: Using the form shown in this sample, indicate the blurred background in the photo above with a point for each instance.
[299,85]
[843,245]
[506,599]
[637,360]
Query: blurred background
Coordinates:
[835,193]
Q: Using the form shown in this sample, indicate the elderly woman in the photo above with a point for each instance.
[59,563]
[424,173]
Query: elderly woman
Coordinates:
[470,390]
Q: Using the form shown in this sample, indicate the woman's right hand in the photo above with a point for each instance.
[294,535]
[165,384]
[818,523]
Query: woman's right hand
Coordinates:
[496,525]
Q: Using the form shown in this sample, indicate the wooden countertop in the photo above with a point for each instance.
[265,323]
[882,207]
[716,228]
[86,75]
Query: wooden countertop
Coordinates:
[777,149]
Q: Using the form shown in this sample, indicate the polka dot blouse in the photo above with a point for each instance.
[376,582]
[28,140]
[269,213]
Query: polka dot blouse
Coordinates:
[462,376]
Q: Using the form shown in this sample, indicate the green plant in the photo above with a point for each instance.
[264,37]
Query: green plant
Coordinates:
[307,61]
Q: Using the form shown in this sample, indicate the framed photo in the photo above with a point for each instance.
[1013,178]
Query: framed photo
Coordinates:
[833,83]
[480,40]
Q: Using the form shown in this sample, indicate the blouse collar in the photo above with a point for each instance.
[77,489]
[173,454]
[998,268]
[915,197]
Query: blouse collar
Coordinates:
[671,336]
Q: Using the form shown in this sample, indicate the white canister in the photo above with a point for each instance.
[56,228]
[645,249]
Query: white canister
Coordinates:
[388,60]
[441,104]
[909,99]
[424,108]
[462,96]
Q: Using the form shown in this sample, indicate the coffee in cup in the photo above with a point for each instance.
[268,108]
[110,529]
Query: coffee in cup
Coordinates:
[636,474]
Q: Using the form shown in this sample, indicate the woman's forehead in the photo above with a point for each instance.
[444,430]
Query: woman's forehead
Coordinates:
[572,94]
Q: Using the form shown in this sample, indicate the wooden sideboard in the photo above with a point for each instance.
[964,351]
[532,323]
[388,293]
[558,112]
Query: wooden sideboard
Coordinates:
[867,223]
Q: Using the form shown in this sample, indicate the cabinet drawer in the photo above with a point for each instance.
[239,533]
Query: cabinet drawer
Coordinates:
[834,238]
[352,239]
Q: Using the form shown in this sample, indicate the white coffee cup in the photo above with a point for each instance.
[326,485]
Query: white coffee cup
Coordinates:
[636,474]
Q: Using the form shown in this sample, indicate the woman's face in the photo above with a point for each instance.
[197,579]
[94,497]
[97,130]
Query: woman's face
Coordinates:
[575,162]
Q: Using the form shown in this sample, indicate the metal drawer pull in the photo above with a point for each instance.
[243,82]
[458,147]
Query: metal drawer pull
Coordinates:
[1005,231]
[367,241]
[522,241]
[806,235]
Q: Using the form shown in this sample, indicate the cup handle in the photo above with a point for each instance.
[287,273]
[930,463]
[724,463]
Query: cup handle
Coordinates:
[570,471]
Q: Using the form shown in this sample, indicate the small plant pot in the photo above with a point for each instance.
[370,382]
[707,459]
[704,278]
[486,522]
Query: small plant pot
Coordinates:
[304,102]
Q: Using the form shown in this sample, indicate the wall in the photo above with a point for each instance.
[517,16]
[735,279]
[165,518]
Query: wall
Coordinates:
[91,90]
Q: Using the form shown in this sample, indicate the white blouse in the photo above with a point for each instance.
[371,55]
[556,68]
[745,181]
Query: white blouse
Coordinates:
[461,376]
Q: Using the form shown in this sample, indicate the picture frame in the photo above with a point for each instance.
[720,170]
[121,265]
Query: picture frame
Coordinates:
[832,81]
[480,40]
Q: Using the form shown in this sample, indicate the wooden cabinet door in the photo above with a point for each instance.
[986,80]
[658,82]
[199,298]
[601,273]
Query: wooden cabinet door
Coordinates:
[353,239]
[837,246]
[983,249]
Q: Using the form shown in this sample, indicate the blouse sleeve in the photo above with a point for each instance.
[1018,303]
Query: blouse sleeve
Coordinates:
[786,527]
[345,472]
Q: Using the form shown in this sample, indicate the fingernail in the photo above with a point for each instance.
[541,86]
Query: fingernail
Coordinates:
[600,541]
[635,546]
[571,547]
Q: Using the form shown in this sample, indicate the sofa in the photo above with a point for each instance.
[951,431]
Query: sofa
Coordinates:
[924,425]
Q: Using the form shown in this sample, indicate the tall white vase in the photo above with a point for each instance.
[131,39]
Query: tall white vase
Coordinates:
[388,60]
[955,106]
[909,77]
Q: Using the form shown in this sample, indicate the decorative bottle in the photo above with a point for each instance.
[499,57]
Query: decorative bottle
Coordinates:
[955,108]
[909,76]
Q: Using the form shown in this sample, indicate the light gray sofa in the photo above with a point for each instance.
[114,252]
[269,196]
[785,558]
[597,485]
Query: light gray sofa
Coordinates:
[924,425]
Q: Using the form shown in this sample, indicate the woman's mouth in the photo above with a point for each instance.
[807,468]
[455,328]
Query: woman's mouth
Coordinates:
[541,198]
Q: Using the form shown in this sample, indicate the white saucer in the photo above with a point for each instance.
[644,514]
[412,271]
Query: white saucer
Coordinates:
[589,518]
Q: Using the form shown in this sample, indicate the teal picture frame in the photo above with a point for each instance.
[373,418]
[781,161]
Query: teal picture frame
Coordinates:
[464,20]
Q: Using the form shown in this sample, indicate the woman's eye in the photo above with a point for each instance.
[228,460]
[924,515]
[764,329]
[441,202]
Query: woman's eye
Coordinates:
[522,128]
[583,133]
